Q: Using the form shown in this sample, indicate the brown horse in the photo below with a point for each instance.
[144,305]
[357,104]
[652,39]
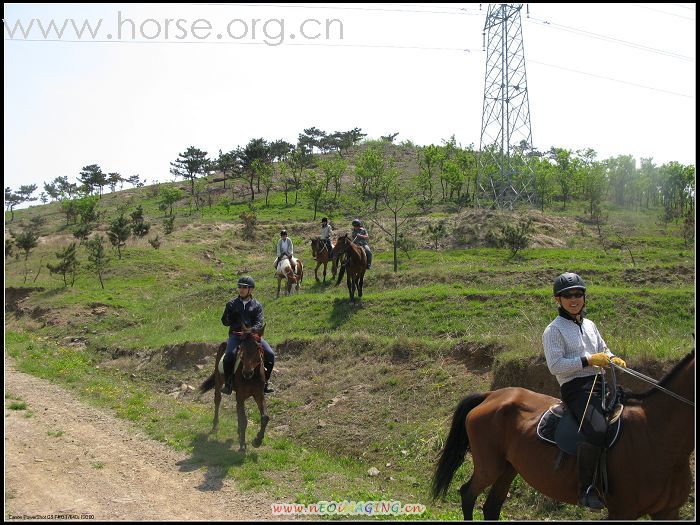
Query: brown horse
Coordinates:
[322,255]
[648,468]
[286,272]
[248,381]
[356,264]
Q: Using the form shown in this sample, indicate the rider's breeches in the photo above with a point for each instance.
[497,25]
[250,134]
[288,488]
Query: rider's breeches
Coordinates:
[575,394]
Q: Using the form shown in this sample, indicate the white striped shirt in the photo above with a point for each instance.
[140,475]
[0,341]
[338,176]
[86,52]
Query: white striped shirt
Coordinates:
[565,342]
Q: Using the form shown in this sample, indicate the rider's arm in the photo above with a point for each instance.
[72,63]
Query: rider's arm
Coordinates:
[228,311]
[257,318]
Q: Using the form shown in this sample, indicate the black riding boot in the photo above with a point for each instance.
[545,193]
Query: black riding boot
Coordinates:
[587,458]
[369,258]
[228,373]
[268,373]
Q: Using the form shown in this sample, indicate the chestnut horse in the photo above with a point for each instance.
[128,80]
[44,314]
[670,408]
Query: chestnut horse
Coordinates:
[322,255]
[285,271]
[248,381]
[356,264]
[648,468]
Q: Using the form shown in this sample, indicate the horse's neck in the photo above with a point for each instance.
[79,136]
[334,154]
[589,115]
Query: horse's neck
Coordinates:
[671,421]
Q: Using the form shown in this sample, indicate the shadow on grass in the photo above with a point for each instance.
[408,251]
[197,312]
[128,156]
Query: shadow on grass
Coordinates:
[342,311]
[217,456]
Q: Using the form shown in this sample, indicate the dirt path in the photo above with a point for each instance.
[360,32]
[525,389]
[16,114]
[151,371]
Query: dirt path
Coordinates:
[103,466]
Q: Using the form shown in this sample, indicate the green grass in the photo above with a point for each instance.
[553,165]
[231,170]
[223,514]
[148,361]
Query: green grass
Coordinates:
[383,376]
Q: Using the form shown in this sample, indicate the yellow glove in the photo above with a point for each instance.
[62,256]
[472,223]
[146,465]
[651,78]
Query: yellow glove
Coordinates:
[619,362]
[599,359]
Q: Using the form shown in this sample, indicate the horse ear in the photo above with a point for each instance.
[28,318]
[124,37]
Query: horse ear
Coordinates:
[262,331]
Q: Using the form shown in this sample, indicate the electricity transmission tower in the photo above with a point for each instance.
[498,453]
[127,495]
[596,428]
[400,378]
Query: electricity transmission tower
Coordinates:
[504,175]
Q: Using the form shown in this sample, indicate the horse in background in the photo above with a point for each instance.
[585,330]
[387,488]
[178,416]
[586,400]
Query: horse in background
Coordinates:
[648,469]
[355,265]
[248,381]
[322,255]
[286,272]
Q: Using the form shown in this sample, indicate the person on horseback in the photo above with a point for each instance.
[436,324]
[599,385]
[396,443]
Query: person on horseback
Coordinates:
[326,233]
[361,238]
[239,312]
[285,247]
[575,354]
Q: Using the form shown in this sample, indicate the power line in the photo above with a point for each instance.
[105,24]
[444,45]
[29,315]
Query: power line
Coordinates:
[664,12]
[612,79]
[462,11]
[386,46]
[611,39]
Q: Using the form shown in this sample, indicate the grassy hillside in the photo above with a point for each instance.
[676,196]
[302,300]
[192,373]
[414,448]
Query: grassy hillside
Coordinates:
[371,385]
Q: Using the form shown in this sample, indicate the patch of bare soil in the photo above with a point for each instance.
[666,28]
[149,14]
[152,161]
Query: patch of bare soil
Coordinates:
[70,459]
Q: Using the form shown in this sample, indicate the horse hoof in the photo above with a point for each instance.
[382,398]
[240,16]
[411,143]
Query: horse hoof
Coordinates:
[257,442]
[241,450]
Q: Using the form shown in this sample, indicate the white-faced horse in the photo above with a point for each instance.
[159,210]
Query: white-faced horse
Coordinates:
[285,272]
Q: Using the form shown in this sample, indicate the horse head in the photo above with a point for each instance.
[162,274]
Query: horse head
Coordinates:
[251,352]
[315,246]
[341,245]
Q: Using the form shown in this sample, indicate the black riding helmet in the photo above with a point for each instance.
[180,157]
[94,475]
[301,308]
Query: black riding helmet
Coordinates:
[325,219]
[283,232]
[568,281]
[246,281]
[356,222]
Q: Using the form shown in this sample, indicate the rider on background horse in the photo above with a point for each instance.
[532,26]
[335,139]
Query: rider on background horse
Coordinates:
[285,247]
[240,312]
[326,234]
[575,351]
[361,238]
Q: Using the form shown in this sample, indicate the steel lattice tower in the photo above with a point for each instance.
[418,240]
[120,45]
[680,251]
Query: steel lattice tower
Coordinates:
[504,176]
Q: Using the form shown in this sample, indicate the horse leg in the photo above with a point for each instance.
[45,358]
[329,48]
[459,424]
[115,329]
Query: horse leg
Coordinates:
[468,499]
[498,493]
[264,419]
[218,382]
[325,265]
[316,273]
[667,514]
[359,285]
[279,285]
[351,288]
[242,422]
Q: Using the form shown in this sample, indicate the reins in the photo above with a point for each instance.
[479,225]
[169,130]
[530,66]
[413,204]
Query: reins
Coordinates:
[654,383]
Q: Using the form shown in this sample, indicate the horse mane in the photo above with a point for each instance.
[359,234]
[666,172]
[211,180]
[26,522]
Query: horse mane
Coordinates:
[670,376]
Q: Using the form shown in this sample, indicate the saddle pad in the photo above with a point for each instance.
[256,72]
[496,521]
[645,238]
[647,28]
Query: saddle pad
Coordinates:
[550,419]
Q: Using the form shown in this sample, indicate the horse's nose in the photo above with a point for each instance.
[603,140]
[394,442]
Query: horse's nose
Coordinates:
[247,375]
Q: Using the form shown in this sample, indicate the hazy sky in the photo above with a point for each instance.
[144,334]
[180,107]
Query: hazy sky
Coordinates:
[619,78]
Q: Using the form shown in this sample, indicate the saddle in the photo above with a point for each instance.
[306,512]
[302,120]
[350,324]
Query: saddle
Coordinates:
[558,426]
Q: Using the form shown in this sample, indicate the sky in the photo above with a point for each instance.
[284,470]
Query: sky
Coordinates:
[156,79]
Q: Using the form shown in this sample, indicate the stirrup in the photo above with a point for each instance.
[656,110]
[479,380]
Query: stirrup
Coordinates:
[268,389]
[227,389]
[591,500]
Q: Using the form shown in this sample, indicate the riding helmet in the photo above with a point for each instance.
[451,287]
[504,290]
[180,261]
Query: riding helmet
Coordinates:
[356,222]
[283,232]
[325,219]
[568,281]
[246,280]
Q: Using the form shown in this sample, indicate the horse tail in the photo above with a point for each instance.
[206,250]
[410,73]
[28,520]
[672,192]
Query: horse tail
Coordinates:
[456,446]
[340,274]
[208,384]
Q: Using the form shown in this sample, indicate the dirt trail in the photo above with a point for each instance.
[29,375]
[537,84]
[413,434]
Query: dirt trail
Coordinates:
[103,466]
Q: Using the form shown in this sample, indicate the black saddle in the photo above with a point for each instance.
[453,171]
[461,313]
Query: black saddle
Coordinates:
[559,427]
